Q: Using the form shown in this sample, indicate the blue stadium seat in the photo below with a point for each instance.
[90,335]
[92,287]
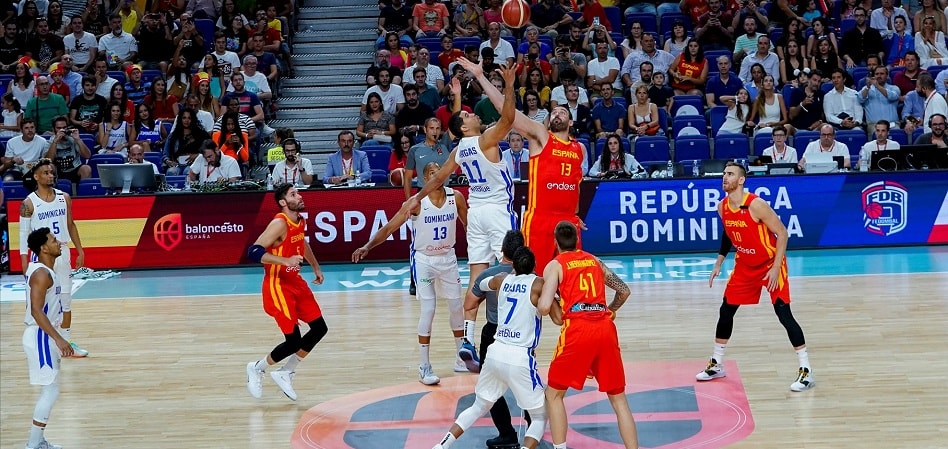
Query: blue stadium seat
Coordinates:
[431,43]
[150,75]
[917,133]
[669,19]
[3,143]
[652,148]
[589,148]
[859,73]
[681,100]
[91,187]
[97,159]
[776,33]
[379,176]
[118,75]
[614,14]
[826,87]
[663,119]
[853,138]
[787,92]
[713,55]
[718,115]
[695,121]
[731,146]
[503,145]
[14,190]
[846,25]
[649,22]
[936,69]
[803,138]
[764,141]
[65,185]
[601,145]
[513,43]
[378,156]
[89,140]
[692,147]
[155,158]
[207,28]
[461,42]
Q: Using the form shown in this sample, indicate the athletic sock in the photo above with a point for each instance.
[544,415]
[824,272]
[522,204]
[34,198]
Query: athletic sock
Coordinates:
[423,354]
[457,344]
[447,441]
[261,364]
[291,363]
[804,358]
[718,353]
[469,331]
[66,335]
[559,446]
[36,436]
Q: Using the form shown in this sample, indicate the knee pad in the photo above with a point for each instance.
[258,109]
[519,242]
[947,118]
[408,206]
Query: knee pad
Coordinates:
[537,423]
[317,330]
[427,317]
[456,306]
[476,410]
[44,405]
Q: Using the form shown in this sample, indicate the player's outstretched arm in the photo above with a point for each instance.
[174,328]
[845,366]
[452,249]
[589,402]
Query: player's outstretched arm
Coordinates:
[529,128]
[397,220]
[508,111]
[616,283]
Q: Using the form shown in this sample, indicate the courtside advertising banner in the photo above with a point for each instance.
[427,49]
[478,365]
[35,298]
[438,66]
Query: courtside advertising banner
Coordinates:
[622,217]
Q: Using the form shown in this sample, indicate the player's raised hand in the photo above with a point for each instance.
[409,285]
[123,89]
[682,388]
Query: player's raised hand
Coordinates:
[475,69]
[509,73]
[456,85]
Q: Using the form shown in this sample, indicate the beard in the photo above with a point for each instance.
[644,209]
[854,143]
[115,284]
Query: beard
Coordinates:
[296,206]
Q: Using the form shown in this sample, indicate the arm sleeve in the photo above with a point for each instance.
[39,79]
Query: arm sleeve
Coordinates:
[24,235]
[726,244]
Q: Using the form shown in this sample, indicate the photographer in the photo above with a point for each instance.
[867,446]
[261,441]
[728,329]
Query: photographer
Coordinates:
[155,42]
[564,59]
[530,60]
[189,42]
[67,150]
[714,31]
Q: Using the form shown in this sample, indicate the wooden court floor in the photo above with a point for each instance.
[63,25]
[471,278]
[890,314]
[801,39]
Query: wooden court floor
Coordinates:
[169,373]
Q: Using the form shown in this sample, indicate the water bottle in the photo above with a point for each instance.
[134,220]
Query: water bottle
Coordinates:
[269,182]
[695,172]
[670,170]
[358,178]
[864,164]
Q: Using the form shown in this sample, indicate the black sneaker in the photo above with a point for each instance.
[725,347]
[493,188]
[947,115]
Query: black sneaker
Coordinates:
[503,442]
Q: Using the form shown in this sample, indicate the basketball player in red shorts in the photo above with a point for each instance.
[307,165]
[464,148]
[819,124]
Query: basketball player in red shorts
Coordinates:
[556,169]
[751,226]
[588,340]
[286,296]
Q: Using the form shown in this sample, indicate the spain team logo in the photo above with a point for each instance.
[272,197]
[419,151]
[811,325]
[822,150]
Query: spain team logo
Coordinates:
[168,231]
[884,208]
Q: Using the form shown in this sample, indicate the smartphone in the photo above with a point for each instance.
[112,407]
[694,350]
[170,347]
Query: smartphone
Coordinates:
[187,42]
[596,21]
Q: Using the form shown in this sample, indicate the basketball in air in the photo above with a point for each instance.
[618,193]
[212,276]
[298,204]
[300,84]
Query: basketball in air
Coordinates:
[395,177]
[515,13]
[874,210]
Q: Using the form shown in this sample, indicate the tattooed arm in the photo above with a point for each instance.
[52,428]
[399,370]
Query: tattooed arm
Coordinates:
[614,282]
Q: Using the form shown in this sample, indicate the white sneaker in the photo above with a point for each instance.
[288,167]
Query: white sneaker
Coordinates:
[460,366]
[713,371]
[284,379]
[804,380]
[427,376]
[254,380]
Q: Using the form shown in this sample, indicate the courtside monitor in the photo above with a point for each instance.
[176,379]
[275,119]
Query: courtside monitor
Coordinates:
[127,177]
[910,157]
[783,168]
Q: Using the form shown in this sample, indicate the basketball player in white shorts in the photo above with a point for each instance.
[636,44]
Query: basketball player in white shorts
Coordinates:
[512,357]
[42,341]
[434,263]
[49,207]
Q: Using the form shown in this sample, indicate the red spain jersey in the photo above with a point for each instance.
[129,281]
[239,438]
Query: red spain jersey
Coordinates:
[555,175]
[755,244]
[583,287]
[292,245]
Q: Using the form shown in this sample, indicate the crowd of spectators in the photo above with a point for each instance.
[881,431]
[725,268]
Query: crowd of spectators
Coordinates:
[171,78]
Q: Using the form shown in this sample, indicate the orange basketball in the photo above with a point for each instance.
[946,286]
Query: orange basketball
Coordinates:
[395,177]
[515,13]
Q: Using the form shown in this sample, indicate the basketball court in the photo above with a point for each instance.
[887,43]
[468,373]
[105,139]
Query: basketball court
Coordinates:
[168,351]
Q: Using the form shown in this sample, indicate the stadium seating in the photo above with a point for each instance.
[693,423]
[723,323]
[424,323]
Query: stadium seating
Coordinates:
[853,138]
[731,146]
[692,147]
[652,148]
[378,156]
[14,190]
[155,158]
[207,28]
[668,20]
[764,141]
[718,115]
[896,135]
[803,138]
[91,187]
[693,100]
[695,121]
[614,14]
[379,176]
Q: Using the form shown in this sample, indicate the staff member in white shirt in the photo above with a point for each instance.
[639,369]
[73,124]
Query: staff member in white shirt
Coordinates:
[293,168]
[214,166]
[824,149]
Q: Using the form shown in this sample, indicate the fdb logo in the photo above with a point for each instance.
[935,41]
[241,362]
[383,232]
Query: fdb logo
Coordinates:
[167,231]
[884,208]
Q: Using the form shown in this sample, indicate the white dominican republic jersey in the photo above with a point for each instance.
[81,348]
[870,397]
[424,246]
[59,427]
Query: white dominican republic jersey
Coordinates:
[517,321]
[50,215]
[52,308]
[489,181]
[434,229]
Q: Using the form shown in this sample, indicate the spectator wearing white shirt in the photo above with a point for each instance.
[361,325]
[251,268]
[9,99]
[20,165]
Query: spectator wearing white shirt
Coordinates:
[568,78]
[763,56]
[255,81]
[661,60]
[503,51]
[227,61]
[825,148]
[841,104]
[294,169]
[883,19]
[393,97]
[435,75]
[780,152]
[213,166]
[881,143]
[81,45]
[934,103]
[604,69]
[120,48]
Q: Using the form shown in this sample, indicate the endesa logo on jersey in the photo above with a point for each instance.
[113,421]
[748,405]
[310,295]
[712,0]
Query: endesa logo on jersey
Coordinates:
[885,207]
